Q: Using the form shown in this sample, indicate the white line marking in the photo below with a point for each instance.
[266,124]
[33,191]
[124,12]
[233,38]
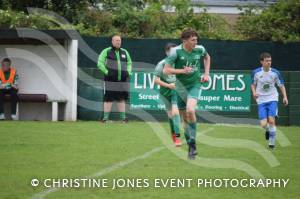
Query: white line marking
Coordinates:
[105,170]
[113,167]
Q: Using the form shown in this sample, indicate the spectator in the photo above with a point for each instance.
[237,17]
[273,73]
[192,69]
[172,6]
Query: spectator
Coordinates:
[8,86]
[115,63]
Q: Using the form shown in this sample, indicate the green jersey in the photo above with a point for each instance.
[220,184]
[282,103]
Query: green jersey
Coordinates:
[165,78]
[180,58]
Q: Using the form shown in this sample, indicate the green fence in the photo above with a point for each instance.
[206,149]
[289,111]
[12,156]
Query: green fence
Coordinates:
[227,56]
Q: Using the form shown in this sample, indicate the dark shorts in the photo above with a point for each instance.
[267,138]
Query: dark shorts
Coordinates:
[116,91]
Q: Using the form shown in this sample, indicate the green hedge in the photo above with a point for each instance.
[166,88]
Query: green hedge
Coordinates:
[279,22]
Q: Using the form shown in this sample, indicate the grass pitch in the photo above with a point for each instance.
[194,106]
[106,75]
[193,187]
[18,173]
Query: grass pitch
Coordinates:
[46,150]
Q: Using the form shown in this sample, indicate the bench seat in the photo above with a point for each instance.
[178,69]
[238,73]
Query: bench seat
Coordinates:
[38,98]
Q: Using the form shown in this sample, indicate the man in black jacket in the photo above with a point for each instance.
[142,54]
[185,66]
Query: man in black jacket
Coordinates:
[116,65]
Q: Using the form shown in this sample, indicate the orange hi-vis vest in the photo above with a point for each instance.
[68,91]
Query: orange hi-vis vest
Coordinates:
[11,76]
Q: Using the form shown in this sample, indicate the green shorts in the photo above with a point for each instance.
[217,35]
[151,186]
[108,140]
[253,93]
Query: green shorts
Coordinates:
[169,100]
[184,93]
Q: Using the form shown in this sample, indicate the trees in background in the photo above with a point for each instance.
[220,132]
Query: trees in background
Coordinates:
[279,22]
[146,19]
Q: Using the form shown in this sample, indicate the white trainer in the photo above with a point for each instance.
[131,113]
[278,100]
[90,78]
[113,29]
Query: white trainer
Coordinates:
[2,117]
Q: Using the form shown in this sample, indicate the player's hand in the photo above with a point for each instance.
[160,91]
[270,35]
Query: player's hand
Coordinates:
[187,70]
[2,86]
[171,86]
[285,101]
[205,78]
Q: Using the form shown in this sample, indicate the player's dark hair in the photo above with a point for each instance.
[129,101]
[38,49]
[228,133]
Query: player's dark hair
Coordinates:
[169,45]
[6,60]
[187,33]
[264,55]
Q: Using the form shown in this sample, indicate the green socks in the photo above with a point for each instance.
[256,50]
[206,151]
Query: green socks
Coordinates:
[171,123]
[105,115]
[176,125]
[190,132]
[187,134]
[122,116]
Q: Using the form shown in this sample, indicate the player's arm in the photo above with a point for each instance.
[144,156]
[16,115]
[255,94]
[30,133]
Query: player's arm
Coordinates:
[169,70]
[253,85]
[280,83]
[253,89]
[170,60]
[158,81]
[284,96]
[206,61]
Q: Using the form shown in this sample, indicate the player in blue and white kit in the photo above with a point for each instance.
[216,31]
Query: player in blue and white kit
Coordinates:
[265,93]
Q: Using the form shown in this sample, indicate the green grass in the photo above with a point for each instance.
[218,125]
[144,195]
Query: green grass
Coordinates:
[76,149]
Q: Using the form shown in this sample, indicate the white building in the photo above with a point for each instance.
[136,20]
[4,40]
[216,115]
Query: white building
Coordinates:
[229,6]
[46,62]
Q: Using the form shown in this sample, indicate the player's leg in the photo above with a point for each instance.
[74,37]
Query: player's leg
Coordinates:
[263,118]
[169,113]
[172,127]
[175,115]
[192,100]
[272,113]
[167,101]
[181,105]
[272,129]
[176,123]
[176,119]
[183,116]
[170,102]
[267,128]
[265,125]
[191,118]
[170,118]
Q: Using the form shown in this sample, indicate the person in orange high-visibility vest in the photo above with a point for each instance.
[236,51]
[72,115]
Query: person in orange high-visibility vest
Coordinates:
[8,86]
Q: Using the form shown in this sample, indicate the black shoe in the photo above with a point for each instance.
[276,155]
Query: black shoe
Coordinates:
[267,135]
[192,151]
[271,146]
[103,121]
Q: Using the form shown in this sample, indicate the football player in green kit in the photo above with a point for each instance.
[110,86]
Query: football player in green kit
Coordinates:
[185,62]
[169,96]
